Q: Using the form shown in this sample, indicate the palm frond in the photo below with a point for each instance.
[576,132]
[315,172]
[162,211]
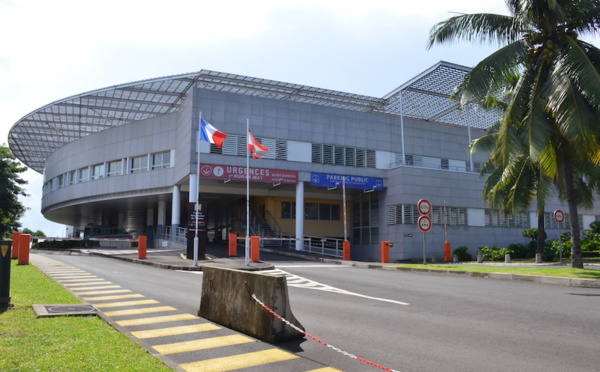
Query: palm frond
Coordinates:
[482,27]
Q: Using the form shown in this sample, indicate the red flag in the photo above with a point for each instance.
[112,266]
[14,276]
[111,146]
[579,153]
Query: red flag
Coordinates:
[258,150]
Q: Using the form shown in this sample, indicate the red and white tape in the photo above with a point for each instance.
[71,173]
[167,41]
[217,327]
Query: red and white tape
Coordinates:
[318,340]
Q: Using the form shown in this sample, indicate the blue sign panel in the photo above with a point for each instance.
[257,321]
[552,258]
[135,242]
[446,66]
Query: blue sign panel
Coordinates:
[352,182]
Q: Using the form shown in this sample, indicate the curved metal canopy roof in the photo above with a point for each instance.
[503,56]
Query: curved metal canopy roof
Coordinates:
[43,131]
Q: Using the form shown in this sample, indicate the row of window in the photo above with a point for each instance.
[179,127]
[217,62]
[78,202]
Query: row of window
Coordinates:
[341,155]
[457,216]
[236,145]
[408,214]
[434,163]
[112,168]
[312,211]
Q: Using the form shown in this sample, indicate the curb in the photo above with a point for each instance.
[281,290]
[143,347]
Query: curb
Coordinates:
[174,267]
[556,280]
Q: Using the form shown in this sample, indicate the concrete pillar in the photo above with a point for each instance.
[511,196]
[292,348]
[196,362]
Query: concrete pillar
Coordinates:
[161,217]
[299,216]
[150,223]
[176,208]
[121,221]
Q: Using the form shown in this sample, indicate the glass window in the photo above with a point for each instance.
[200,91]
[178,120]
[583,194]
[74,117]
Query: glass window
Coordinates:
[97,171]
[115,168]
[335,212]
[84,175]
[161,160]
[72,179]
[139,164]
[325,212]
[311,211]
[288,210]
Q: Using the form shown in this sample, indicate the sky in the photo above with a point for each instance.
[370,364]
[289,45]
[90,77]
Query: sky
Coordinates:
[50,50]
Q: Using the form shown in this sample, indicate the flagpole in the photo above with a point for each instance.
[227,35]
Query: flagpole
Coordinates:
[197,197]
[247,192]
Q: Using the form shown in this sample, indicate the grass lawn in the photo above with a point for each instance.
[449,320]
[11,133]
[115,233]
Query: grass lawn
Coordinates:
[71,343]
[560,272]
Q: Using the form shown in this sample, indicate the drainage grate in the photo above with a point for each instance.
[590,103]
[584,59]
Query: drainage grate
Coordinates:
[62,310]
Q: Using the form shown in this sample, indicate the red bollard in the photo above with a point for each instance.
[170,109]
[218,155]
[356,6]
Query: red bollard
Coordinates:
[24,240]
[15,246]
[232,244]
[447,252]
[142,247]
[255,248]
[385,252]
[346,253]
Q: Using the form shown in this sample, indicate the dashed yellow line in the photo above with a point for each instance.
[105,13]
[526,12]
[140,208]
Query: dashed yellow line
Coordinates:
[117,297]
[239,361]
[207,343]
[326,369]
[125,303]
[95,287]
[97,282]
[172,331]
[79,280]
[145,310]
[110,291]
[156,319]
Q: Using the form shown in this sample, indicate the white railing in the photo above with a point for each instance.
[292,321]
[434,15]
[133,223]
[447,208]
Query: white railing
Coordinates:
[325,246]
[178,234]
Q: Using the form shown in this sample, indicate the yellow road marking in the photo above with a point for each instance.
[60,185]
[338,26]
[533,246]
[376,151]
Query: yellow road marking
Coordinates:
[162,332]
[73,275]
[74,271]
[103,292]
[326,369]
[125,303]
[96,287]
[239,361]
[117,297]
[99,282]
[79,280]
[207,343]
[156,319]
[144,310]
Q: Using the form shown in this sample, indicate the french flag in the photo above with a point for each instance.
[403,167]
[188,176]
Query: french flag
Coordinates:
[258,150]
[211,134]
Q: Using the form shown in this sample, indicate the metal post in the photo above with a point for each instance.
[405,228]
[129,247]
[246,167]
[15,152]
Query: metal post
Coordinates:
[424,257]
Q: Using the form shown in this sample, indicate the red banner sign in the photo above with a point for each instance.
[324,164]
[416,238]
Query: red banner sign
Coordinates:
[236,173]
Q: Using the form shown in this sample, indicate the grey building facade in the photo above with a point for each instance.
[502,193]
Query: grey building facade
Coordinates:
[124,159]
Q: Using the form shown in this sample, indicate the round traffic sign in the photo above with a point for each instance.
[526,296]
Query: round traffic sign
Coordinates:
[559,216]
[424,223]
[424,206]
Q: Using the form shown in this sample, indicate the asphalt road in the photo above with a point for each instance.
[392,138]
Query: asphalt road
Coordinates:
[407,321]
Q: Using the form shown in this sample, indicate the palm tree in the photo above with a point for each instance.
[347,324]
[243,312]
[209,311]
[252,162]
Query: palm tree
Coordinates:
[555,105]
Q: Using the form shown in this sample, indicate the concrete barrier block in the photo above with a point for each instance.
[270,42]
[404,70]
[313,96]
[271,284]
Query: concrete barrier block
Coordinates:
[227,300]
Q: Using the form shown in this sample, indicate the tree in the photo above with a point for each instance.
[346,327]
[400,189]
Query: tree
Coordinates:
[11,186]
[33,233]
[513,181]
[555,105]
